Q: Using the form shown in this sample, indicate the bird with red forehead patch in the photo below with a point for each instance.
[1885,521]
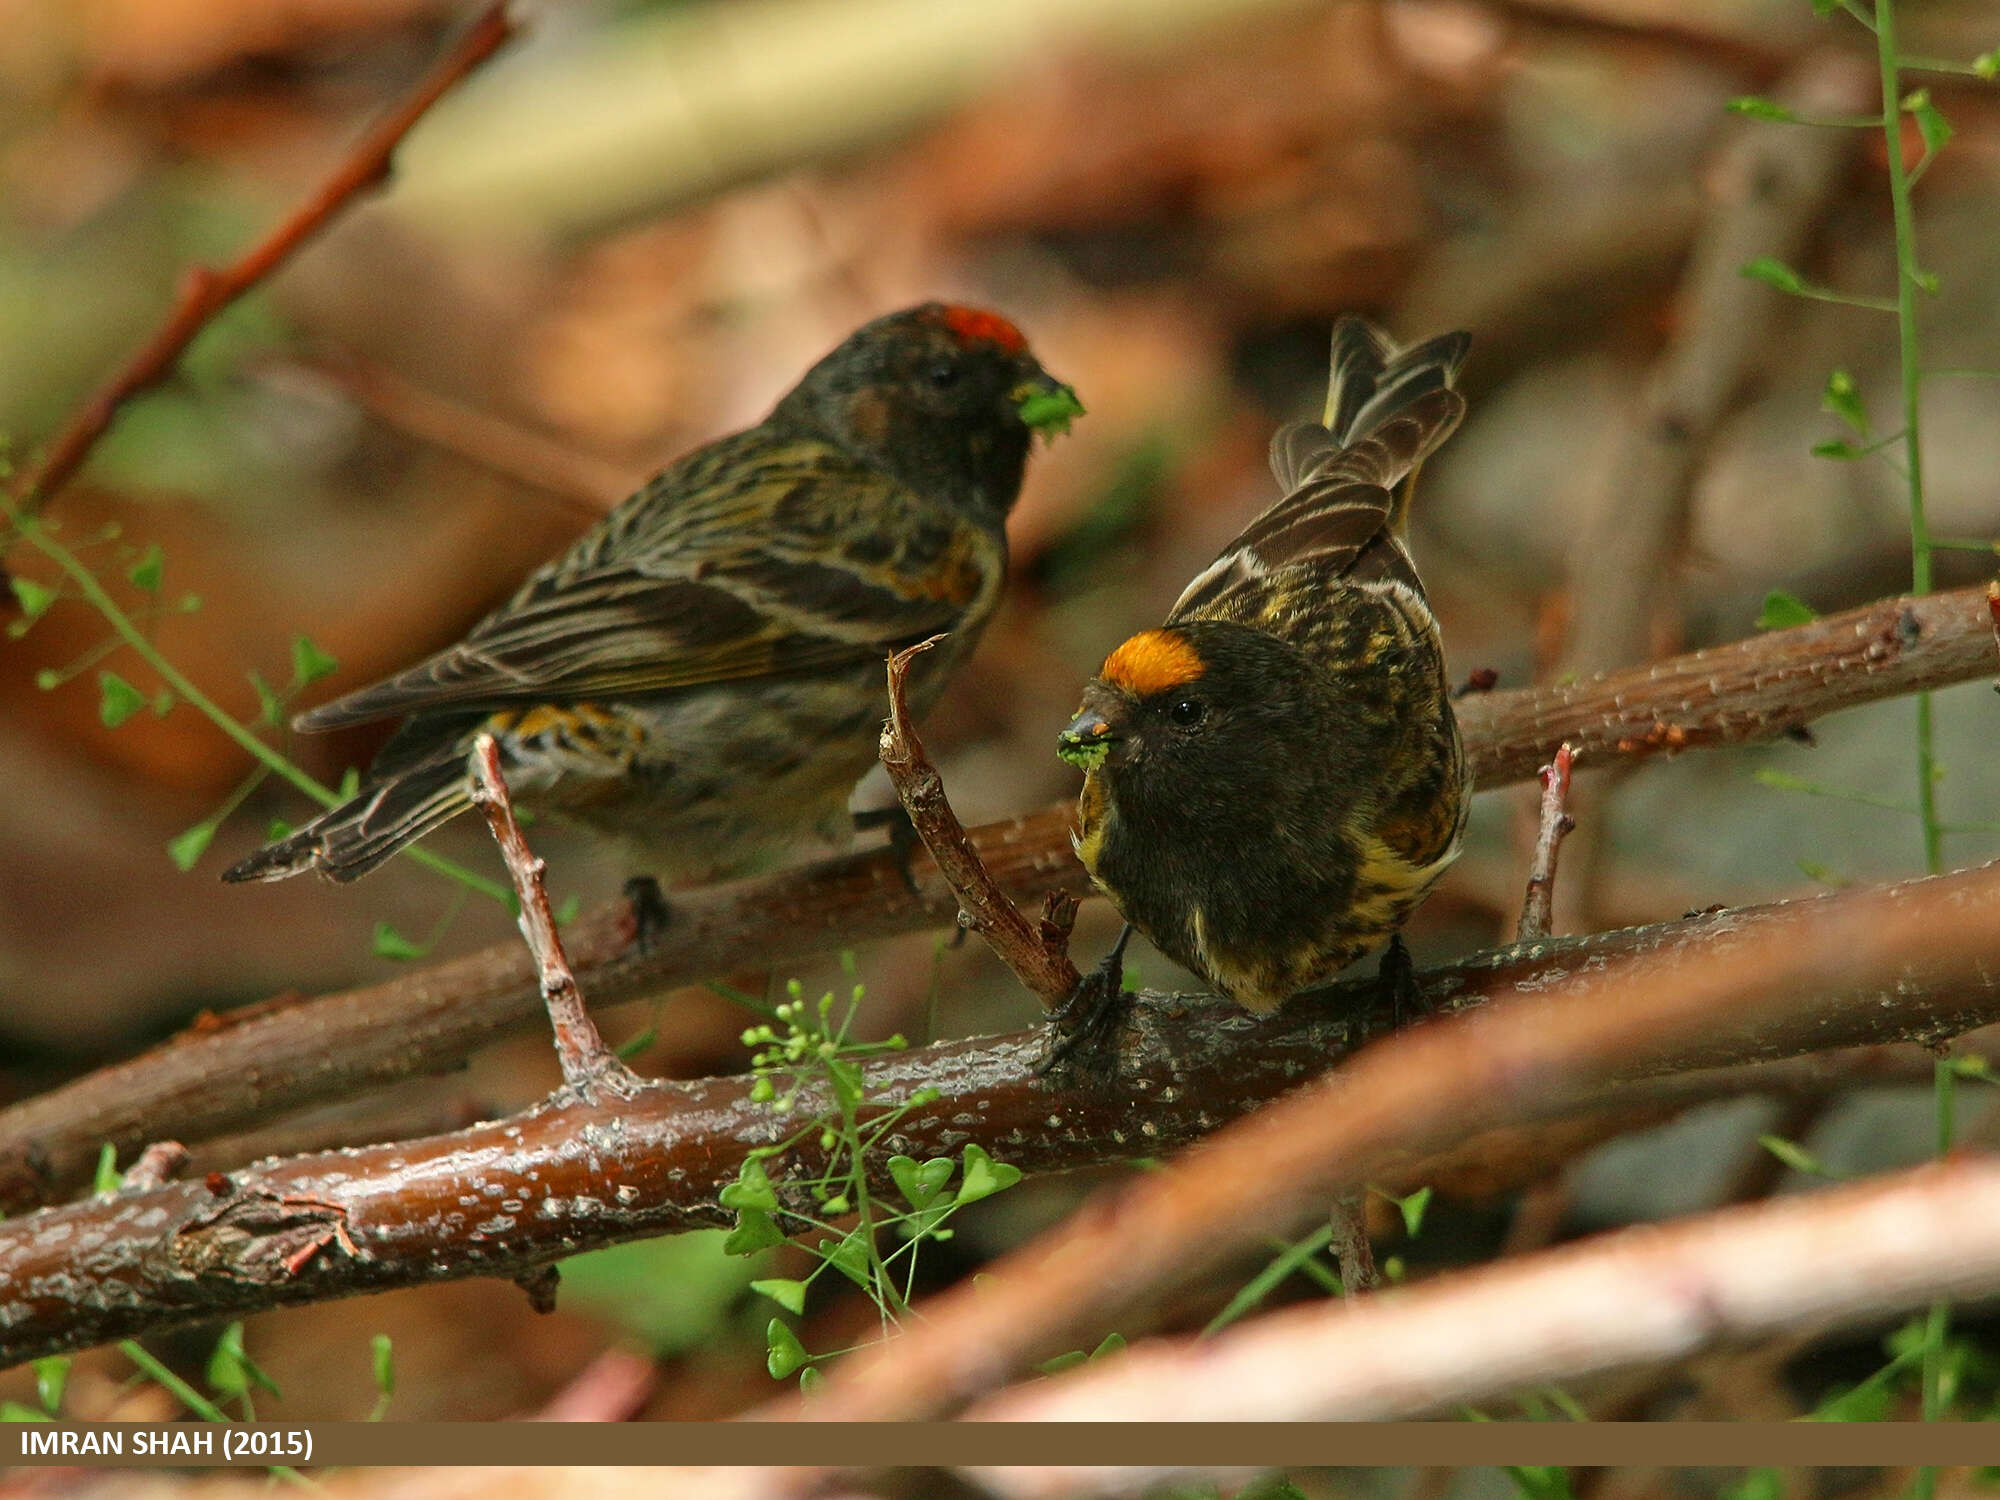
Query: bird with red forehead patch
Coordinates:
[700,674]
[1273,778]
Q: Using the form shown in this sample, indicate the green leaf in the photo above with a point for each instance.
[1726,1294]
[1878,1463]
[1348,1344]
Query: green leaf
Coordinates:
[788,1294]
[1412,1209]
[810,1380]
[350,781]
[755,1230]
[984,1176]
[1062,1362]
[849,1257]
[309,663]
[384,1353]
[146,572]
[1843,399]
[567,911]
[391,944]
[1759,108]
[1774,272]
[632,1046]
[14,1411]
[1987,64]
[270,707]
[1782,611]
[784,1352]
[163,703]
[117,699]
[48,679]
[1837,448]
[1972,1065]
[228,1371]
[186,849]
[1539,1481]
[1112,1343]
[1868,1402]
[751,1189]
[276,829]
[51,1376]
[1931,123]
[919,1185]
[1793,1155]
[107,1179]
[33,598]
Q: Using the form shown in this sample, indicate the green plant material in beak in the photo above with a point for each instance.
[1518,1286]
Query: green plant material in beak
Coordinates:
[1084,754]
[1047,406]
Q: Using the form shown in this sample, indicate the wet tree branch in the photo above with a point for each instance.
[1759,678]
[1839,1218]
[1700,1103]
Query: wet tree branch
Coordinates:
[1575,1016]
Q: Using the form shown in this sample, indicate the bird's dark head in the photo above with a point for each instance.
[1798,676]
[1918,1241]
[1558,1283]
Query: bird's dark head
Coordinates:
[945,398]
[1193,706]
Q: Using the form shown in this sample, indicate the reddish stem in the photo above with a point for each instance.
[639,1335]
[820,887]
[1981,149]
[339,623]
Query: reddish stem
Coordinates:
[205,292]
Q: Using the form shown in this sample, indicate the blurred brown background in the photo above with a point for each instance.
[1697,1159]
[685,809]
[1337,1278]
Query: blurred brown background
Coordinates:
[634,230]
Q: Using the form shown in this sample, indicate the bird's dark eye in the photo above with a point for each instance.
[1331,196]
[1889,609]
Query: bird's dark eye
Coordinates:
[1188,712]
[943,375]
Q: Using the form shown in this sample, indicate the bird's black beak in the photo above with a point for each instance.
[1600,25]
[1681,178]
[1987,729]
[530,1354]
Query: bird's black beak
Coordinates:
[1087,741]
[1045,404]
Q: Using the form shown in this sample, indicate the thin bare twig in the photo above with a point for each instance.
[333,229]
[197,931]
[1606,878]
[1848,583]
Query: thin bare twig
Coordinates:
[158,1163]
[586,1061]
[1039,956]
[1348,1221]
[583,483]
[235,1073]
[1993,608]
[205,291]
[1555,824]
[1659,1292]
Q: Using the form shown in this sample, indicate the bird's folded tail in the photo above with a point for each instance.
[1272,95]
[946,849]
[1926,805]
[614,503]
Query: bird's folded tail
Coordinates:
[1373,382]
[348,841]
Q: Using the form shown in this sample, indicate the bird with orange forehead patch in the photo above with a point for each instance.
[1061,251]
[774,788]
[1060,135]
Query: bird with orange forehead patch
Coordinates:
[1273,779]
[700,674]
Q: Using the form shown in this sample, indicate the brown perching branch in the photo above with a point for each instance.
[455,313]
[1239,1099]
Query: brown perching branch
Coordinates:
[1039,958]
[225,1078]
[1647,1295]
[205,292]
[1574,1018]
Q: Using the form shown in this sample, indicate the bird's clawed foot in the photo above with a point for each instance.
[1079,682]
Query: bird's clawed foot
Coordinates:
[1092,1011]
[1398,975]
[651,915]
[904,840]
